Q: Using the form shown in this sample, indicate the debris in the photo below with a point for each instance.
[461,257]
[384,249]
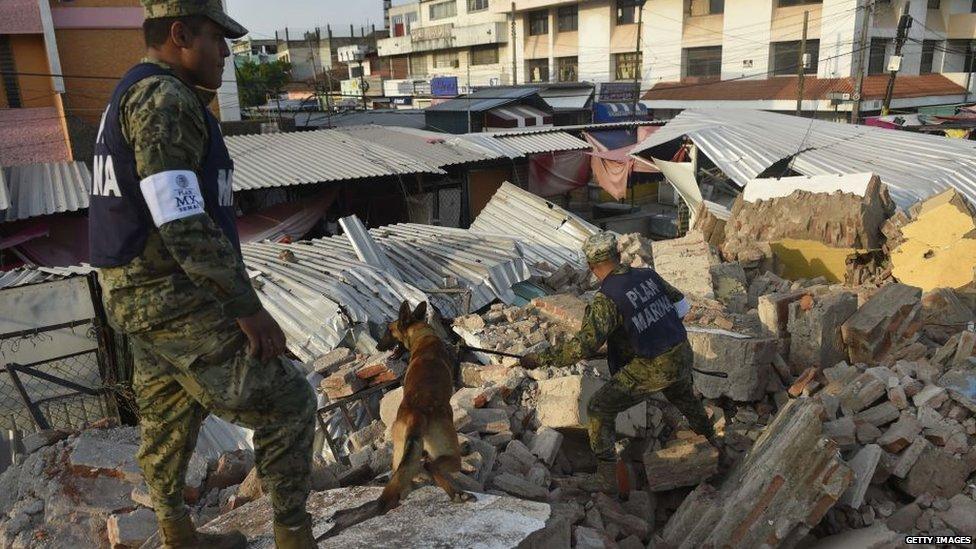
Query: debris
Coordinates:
[746,360]
[132,529]
[425,519]
[890,316]
[815,331]
[936,472]
[939,245]
[686,264]
[769,497]
[863,466]
[685,463]
[565,309]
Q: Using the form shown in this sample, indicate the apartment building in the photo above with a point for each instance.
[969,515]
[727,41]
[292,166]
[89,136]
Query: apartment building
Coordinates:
[45,117]
[254,50]
[751,48]
[466,39]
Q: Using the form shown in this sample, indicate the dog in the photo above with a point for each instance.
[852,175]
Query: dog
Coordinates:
[424,422]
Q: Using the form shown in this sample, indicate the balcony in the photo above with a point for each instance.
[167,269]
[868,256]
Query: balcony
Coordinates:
[442,37]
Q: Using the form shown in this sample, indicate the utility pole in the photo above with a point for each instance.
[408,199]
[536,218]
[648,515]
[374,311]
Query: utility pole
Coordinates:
[512,45]
[801,67]
[894,64]
[640,60]
[861,52]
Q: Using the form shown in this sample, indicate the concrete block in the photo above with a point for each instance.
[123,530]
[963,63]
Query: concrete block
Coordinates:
[546,445]
[746,360]
[686,463]
[132,529]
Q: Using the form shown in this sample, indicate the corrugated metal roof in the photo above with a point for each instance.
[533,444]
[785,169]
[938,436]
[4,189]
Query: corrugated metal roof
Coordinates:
[579,127]
[744,143]
[484,99]
[46,188]
[437,149]
[35,275]
[549,234]
[542,142]
[281,159]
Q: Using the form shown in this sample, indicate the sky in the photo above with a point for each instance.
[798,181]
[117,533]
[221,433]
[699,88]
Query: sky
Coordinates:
[262,18]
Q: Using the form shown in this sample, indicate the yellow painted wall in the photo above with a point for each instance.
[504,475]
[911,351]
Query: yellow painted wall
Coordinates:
[96,52]
[702,30]
[31,57]
[623,38]
[939,250]
[537,47]
[787,23]
[810,259]
[566,45]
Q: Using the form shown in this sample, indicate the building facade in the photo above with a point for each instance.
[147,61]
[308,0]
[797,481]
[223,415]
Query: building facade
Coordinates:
[687,42]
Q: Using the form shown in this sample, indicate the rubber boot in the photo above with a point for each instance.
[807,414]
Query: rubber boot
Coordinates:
[603,480]
[295,537]
[181,534]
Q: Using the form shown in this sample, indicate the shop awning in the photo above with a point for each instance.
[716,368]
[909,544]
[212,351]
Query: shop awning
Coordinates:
[617,112]
[517,116]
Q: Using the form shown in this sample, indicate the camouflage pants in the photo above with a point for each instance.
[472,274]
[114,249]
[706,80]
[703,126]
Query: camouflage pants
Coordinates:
[669,373]
[199,364]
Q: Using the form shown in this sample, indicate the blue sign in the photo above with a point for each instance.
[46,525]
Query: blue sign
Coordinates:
[444,86]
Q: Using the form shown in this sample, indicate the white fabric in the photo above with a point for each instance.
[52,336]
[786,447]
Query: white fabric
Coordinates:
[172,195]
[682,307]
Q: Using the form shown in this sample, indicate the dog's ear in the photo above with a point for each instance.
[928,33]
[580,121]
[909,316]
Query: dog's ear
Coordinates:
[420,313]
[404,316]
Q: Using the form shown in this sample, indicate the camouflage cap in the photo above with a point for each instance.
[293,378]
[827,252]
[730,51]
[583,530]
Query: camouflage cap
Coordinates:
[157,9]
[601,246]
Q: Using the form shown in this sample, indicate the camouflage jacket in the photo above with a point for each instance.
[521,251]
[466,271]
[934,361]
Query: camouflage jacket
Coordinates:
[602,323]
[188,264]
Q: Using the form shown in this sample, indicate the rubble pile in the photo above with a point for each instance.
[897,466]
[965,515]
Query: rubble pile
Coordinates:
[85,489]
[345,372]
[807,234]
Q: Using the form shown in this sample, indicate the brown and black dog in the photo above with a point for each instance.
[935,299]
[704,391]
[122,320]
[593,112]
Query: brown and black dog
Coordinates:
[424,422]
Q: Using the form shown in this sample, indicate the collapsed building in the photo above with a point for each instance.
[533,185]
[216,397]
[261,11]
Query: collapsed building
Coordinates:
[843,321]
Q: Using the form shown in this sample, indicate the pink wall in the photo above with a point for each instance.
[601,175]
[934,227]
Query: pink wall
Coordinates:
[20,17]
[31,135]
[97,18]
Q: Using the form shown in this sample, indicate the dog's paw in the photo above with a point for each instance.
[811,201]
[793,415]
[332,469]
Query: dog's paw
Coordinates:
[464,497]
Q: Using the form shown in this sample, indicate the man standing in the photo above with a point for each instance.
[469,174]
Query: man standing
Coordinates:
[638,315]
[163,235]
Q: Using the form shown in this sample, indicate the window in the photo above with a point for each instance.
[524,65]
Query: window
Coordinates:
[567,19]
[484,55]
[443,10]
[477,5]
[538,70]
[566,67]
[538,23]
[786,55]
[958,56]
[876,56]
[11,87]
[627,66]
[703,62]
[627,11]
[445,60]
[935,4]
[972,7]
[928,56]
[716,6]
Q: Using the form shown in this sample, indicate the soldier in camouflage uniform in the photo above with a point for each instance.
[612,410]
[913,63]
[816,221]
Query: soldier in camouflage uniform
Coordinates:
[637,314]
[163,234]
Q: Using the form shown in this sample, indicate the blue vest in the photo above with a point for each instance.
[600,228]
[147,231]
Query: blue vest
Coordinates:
[650,319]
[118,217]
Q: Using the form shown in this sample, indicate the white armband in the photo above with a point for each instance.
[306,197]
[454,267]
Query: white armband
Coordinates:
[172,195]
[682,307]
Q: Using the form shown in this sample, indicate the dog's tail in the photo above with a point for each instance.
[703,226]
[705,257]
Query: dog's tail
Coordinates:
[399,483]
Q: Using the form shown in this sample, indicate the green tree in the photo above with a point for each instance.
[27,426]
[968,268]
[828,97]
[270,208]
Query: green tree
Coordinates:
[255,81]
